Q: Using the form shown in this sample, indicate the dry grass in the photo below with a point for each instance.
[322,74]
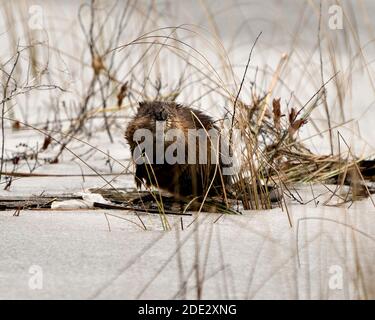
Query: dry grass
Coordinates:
[122,67]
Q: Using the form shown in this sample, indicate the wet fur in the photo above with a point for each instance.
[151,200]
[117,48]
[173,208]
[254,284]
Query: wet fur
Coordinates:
[179,179]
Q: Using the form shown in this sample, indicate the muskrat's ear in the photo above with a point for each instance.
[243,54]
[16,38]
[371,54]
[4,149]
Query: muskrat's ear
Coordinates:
[142,104]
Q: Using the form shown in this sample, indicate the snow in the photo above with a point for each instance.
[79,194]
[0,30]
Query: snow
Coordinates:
[77,252]
[87,201]
[98,254]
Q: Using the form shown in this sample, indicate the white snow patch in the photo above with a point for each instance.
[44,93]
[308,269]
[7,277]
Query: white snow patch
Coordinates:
[87,201]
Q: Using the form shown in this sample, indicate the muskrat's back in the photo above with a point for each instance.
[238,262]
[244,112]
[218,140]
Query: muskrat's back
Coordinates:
[180,179]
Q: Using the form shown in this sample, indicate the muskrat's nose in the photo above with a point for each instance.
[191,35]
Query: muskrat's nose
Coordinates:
[162,115]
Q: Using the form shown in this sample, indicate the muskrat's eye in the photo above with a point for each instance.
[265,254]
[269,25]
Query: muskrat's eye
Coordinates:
[161,115]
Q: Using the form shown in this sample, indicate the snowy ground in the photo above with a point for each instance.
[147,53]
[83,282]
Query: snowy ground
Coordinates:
[79,254]
[328,253]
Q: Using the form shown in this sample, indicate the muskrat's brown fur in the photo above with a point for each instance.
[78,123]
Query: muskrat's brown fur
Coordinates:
[179,179]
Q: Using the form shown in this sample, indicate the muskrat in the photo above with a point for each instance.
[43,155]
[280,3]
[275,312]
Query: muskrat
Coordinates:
[186,179]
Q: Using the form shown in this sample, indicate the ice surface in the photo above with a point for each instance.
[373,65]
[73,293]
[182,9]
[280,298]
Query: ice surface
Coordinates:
[327,253]
[257,255]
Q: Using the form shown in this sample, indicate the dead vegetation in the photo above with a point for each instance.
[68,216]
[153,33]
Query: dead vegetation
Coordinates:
[120,68]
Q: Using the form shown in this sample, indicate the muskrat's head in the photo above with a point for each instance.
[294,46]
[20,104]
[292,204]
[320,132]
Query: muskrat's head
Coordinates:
[155,110]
